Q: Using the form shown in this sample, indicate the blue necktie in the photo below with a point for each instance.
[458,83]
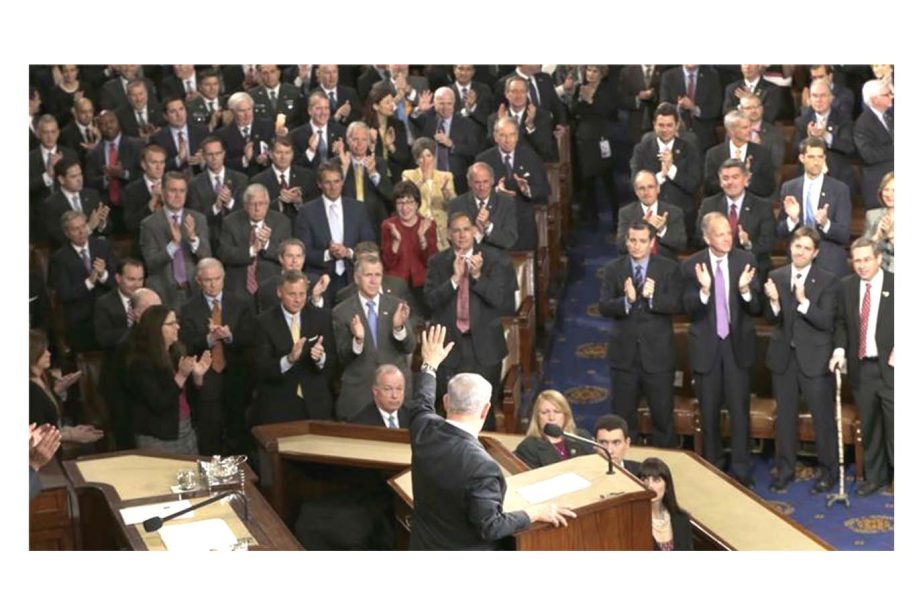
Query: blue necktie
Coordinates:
[639,279]
[372,318]
[808,211]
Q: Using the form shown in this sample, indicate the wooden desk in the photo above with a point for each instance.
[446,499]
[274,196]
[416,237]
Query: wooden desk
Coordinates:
[725,515]
[108,483]
[54,513]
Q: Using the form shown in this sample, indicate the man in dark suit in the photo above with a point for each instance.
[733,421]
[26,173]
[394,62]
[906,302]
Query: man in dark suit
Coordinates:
[387,407]
[372,75]
[535,124]
[473,99]
[696,92]
[520,174]
[181,83]
[665,219]
[291,258]
[42,161]
[823,120]
[844,101]
[71,196]
[365,177]
[757,159]
[539,88]
[611,432]
[826,207]
[343,101]
[218,320]
[289,186]
[205,110]
[458,488]
[638,88]
[874,137]
[80,134]
[457,141]
[493,213]
[467,287]
[141,117]
[721,297]
[315,142]
[330,227]
[765,134]
[144,196]
[864,340]
[675,164]
[801,303]
[640,292]
[295,369]
[753,81]
[246,139]
[273,98]
[371,328]
[172,240]
[249,242]
[392,285]
[181,140]
[80,272]
[752,224]
[113,163]
[218,190]
[114,93]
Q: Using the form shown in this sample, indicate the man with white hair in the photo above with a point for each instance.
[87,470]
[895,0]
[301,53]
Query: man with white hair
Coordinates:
[874,137]
[757,159]
[457,140]
[246,139]
[458,488]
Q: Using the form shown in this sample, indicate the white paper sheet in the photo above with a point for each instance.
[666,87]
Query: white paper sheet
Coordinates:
[552,488]
[137,515]
[213,534]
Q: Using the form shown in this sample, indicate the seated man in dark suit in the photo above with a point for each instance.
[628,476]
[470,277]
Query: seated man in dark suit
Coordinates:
[458,488]
[246,139]
[535,125]
[291,259]
[217,191]
[144,196]
[71,196]
[289,186]
[493,212]
[666,219]
[330,227]
[611,432]
[387,406]
[750,216]
[315,142]
[821,119]
[112,164]
[344,100]
[365,177]
[181,140]
[141,117]
[80,273]
[392,285]
[249,242]
[457,141]
[874,137]
[294,366]
[640,293]
[753,81]
[757,159]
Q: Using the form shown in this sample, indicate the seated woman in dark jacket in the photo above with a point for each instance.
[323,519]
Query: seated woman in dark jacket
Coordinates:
[539,449]
[157,374]
[669,523]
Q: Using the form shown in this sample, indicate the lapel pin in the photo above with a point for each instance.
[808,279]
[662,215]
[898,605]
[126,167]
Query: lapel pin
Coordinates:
[886,293]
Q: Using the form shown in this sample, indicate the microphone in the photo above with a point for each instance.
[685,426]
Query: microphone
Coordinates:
[555,431]
[152,524]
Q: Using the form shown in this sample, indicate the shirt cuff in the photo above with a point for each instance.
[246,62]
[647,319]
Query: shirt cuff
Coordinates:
[400,334]
[323,360]
[672,172]
[327,256]
[103,277]
[776,307]
[826,226]
[454,285]
[284,364]
[790,224]
[489,229]
[662,232]
[803,306]
[375,177]
[702,297]
[746,296]
[90,285]
[839,352]
[194,245]
[660,177]
[49,182]
[172,248]
[358,346]
[319,302]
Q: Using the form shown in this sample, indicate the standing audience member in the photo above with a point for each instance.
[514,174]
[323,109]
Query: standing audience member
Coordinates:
[408,241]
[696,92]
[757,159]
[594,108]
[665,219]
[436,187]
[874,137]
[879,222]
[493,212]
[824,121]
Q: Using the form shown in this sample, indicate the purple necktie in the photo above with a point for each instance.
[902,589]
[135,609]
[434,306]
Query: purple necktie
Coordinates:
[85,257]
[179,261]
[442,152]
[721,306]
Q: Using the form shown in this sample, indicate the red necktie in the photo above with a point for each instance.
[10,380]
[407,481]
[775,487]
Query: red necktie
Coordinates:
[115,190]
[218,359]
[282,183]
[732,218]
[864,318]
[252,285]
[462,317]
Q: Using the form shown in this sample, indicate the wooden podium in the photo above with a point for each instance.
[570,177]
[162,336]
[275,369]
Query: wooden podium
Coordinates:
[613,511]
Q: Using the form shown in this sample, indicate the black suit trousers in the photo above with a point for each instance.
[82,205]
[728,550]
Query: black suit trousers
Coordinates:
[876,411]
[657,387]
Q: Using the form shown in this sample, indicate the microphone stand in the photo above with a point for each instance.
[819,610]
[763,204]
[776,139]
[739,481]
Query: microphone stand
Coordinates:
[155,523]
[556,431]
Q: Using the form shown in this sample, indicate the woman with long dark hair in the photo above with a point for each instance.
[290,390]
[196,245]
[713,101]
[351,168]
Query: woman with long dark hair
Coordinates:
[670,524]
[389,138]
[158,373]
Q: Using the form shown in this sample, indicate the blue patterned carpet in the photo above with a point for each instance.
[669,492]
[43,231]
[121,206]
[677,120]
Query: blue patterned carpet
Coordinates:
[577,366]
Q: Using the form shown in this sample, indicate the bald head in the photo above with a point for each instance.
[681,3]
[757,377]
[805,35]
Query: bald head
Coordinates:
[141,300]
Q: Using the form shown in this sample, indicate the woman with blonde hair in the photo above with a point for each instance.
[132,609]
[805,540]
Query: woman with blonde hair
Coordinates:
[539,449]
[437,187]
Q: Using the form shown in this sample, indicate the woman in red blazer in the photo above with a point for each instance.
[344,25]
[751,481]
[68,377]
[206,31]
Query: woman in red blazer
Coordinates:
[408,240]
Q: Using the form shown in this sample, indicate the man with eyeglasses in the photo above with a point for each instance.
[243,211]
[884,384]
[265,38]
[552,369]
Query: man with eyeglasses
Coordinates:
[874,137]
[823,120]
[765,134]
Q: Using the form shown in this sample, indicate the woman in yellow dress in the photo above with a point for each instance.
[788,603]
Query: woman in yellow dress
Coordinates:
[437,187]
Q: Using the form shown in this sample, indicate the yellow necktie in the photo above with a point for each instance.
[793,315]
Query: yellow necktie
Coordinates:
[296,336]
[360,183]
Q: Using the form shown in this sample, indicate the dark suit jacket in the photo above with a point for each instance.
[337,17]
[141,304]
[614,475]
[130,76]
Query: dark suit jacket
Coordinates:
[458,488]
[645,325]
[298,176]
[465,142]
[484,104]
[135,200]
[153,399]
[707,98]
[370,416]
[875,146]
[197,111]
[762,171]
[194,136]
[234,249]
[38,192]
[57,204]
[487,298]
[71,137]
[640,113]
[302,134]
[538,452]
[833,243]
[289,101]
[682,533]
[345,94]
[110,321]
[112,94]
[541,139]
[402,158]
[841,148]
[312,228]
[755,217]
[548,98]
[770,94]
[502,208]
[595,122]
[128,118]
[376,199]
[236,313]
[680,190]
[703,337]
[260,131]
[846,332]
[129,155]
[807,338]
[359,370]
[201,196]
[674,240]
[67,276]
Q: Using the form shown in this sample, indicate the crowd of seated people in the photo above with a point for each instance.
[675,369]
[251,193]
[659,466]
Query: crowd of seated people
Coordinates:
[290,229]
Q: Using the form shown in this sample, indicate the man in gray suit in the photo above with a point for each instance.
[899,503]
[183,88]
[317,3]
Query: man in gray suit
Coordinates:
[173,239]
[370,329]
[493,213]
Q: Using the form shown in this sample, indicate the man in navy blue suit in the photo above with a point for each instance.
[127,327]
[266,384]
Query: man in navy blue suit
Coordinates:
[181,140]
[330,228]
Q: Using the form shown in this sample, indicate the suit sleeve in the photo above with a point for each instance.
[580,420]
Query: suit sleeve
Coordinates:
[763,238]
[485,507]
[821,313]
[229,251]
[612,295]
[840,216]
[871,150]
[436,292]
[675,237]
[490,287]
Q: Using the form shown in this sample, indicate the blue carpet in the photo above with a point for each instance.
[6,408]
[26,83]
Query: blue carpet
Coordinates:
[576,365]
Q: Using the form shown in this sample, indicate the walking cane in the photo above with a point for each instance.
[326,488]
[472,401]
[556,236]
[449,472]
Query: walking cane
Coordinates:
[841,496]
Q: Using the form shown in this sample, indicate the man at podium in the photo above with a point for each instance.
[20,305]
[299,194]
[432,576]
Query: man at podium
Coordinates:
[458,488]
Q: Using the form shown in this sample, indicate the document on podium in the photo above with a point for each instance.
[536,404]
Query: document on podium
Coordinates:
[552,488]
[205,535]
[137,515]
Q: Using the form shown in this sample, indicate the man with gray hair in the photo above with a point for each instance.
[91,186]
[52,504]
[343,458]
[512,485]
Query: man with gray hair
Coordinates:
[493,213]
[874,137]
[738,145]
[458,488]
[821,119]
[246,139]
[387,406]
[457,139]
[365,177]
